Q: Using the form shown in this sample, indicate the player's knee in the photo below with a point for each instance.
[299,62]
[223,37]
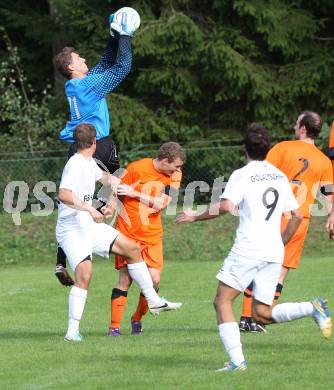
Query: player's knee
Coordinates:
[220,306]
[84,280]
[133,252]
[83,273]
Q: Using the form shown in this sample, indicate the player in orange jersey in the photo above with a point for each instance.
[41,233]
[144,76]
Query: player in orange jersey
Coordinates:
[308,169]
[143,190]
[330,221]
[331,145]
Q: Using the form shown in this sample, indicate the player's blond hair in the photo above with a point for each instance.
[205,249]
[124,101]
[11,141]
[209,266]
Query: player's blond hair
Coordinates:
[171,151]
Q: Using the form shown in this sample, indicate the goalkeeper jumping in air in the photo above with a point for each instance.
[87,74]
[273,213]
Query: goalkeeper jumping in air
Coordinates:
[86,91]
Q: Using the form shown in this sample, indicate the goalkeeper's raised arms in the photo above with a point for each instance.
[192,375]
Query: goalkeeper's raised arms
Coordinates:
[125,21]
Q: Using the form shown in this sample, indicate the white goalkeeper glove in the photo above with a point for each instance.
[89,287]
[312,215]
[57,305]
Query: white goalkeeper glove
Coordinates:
[125,21]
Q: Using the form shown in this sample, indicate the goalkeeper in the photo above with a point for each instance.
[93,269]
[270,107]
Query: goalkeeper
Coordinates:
[86,92]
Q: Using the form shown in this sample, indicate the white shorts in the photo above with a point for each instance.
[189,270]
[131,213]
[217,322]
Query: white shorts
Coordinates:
[80,243]
[239,272]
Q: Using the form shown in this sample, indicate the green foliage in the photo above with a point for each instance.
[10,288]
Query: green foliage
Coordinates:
[177,87]
[197,65]
[209,162]
[27,119]
[133,121]
[280,24]
[135,124]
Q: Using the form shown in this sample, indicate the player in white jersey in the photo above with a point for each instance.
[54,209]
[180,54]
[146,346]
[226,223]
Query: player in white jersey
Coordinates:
[259,193]
[80,232]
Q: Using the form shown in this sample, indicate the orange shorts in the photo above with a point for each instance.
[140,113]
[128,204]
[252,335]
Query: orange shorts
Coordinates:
[152,254]
[294,248]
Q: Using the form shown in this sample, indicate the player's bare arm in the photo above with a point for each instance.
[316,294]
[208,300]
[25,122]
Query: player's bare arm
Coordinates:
[330,224]
[326,189]
[109,209]
[108,179]
[157,203]
[292,226]
[67,197]
[223,207]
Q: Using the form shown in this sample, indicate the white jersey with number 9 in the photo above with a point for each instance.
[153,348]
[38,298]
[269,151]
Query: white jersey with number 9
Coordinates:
[263,193]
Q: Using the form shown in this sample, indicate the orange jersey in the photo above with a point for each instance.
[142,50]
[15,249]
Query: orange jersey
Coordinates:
[141,222]
[306,167]
[331,146]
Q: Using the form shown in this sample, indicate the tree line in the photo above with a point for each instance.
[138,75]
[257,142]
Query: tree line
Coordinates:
[201,69]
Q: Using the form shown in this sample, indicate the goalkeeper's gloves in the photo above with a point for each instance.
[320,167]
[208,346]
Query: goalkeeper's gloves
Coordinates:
[125,21]
[115,29]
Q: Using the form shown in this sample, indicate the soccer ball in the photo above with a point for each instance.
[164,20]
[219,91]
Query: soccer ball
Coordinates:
[128,18]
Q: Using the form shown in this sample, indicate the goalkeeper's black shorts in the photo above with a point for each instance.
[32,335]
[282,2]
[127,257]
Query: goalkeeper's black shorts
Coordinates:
[106,153]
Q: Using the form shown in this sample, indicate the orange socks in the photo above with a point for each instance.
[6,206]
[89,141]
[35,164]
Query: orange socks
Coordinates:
[247,302]
[117,307]
[141,310]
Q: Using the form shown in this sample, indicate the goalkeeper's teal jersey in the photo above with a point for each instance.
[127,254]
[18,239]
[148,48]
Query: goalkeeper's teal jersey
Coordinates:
[87,96]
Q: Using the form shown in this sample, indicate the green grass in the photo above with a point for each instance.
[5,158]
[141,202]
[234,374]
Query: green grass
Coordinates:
[178,350]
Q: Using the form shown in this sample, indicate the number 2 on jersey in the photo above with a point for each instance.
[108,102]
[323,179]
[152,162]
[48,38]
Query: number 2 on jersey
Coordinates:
[271,206]
[302,169]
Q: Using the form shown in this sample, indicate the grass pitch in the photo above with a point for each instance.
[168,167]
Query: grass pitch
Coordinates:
[178,350]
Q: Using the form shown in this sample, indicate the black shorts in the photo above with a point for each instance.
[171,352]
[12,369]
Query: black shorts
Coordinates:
[106,153]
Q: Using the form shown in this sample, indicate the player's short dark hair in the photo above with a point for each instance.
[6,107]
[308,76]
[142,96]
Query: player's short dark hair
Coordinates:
[312,122]
[257,141]
[62,60]
[171,151]
[84,136]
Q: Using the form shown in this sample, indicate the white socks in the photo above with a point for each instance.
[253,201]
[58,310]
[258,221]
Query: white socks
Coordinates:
[291,311]
[76,305]
[230,336]
[140,274]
